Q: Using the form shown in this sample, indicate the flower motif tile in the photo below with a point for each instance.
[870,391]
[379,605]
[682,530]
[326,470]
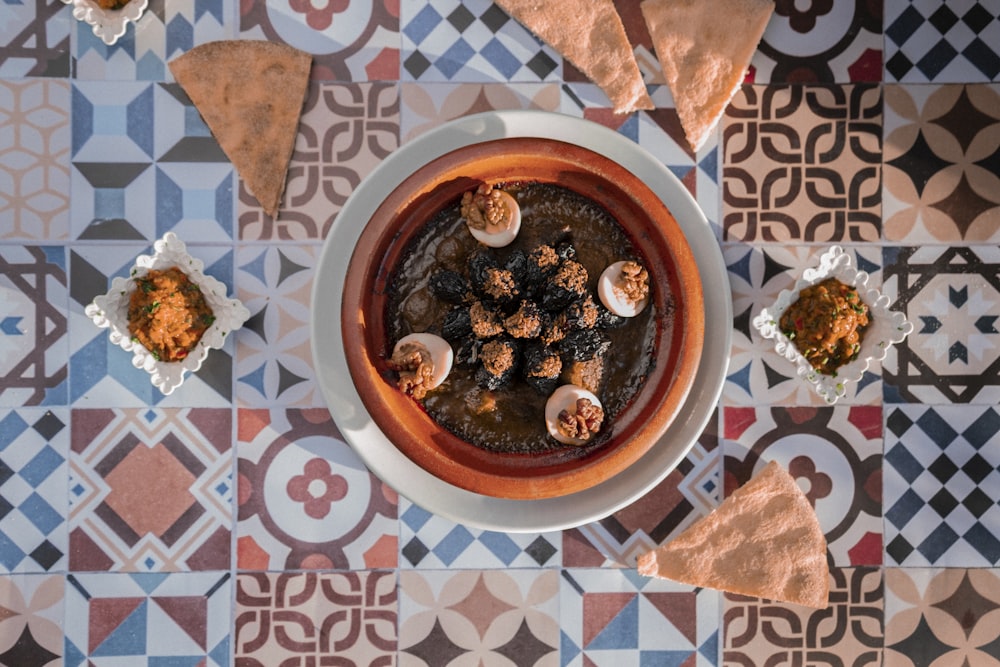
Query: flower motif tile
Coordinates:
[345,131]
[485,617]
[33,483]
[34,39]
[150,490]
[149,619]
[472,41]
[938,41]
[849,631]
[34,160]
[135,143]
[33,324]
[350,41]
[757,374]
[688,493]
[942,163]
[802,163]
[165,30]
[941,473]
[834,454]
[937,616]
[617,617]
[428,541]
[313,618]
[934,285]
[274,361]
[101,373]
[821,41]
[305,499]
[31,620]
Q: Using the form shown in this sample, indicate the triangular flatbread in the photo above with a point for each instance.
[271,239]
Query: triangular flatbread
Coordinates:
[591,35]
[250,94]
[704,47]
[763,540]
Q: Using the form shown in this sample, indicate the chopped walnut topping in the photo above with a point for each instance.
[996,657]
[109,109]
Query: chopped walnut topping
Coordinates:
[526,322]
[553,331]
[544,256]
[415,367]
[584,314]
[550,367]
[485,208]
[485,323]
[497,357]
[500,284]
[632,284]
[583,422]
[572,276]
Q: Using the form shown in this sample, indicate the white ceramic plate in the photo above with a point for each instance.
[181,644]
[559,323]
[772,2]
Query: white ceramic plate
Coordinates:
[107,24]
[412,481]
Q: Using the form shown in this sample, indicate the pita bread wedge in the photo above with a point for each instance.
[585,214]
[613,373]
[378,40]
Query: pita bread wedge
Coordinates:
[250,94]
[764,540]
[704,47]
[590,35]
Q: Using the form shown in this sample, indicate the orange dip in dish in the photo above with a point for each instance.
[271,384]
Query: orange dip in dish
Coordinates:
[826,324]
[168,314]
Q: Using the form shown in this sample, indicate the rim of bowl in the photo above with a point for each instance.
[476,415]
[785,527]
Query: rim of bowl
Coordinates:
[655,235]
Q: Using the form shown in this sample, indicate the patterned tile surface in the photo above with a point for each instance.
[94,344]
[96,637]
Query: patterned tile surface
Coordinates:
[34,39]
[150,490]
[32,614]
[315,618]
[33,483]
[305,500]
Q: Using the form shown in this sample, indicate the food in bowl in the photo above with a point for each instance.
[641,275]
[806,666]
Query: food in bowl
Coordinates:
[525,318]
[826,323]
[168,314]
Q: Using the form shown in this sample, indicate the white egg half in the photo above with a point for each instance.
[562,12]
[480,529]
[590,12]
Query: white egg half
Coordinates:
[502,236]
[441,354]
[565,398]
[610,296]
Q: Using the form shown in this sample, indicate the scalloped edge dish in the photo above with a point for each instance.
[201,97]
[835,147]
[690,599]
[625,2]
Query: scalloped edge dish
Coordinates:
[886,327]
[110,311]
[107,24]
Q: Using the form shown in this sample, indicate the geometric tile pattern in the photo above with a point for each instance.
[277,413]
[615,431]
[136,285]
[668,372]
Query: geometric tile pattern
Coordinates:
[488,617]
[617,617]
[33,325]
[274,364]
[34,39]
[942,42]
[820,42]
[689,492]
[952,295]
[848,632]
[941,617]
[835,456]
[150,490]
[309,618]
[941,479]
[305,499]
[802,163]
[165,30]
[345,131]
[182,618]
[757,375]
[34,444]
[942,163]
[31,620]
[34,160]
[428,542]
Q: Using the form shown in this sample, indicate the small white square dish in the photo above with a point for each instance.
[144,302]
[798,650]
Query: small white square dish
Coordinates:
[110,311]
[107,24]
[886,327]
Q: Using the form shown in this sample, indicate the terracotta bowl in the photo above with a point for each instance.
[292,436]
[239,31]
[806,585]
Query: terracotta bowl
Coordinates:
[651,229]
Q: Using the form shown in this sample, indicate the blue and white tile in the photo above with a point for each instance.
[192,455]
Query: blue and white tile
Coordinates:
[36,34]
[34,444]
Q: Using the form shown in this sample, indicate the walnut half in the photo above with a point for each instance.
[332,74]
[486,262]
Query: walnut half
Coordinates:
[415,367]
[583,422]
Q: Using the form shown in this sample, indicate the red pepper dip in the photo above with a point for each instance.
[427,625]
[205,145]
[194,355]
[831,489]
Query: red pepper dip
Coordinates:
[826,324]
[168,314]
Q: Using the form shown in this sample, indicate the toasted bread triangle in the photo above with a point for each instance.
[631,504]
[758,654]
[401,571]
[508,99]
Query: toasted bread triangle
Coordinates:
[764,540]
[590,35]
[704,47]
[250,94]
